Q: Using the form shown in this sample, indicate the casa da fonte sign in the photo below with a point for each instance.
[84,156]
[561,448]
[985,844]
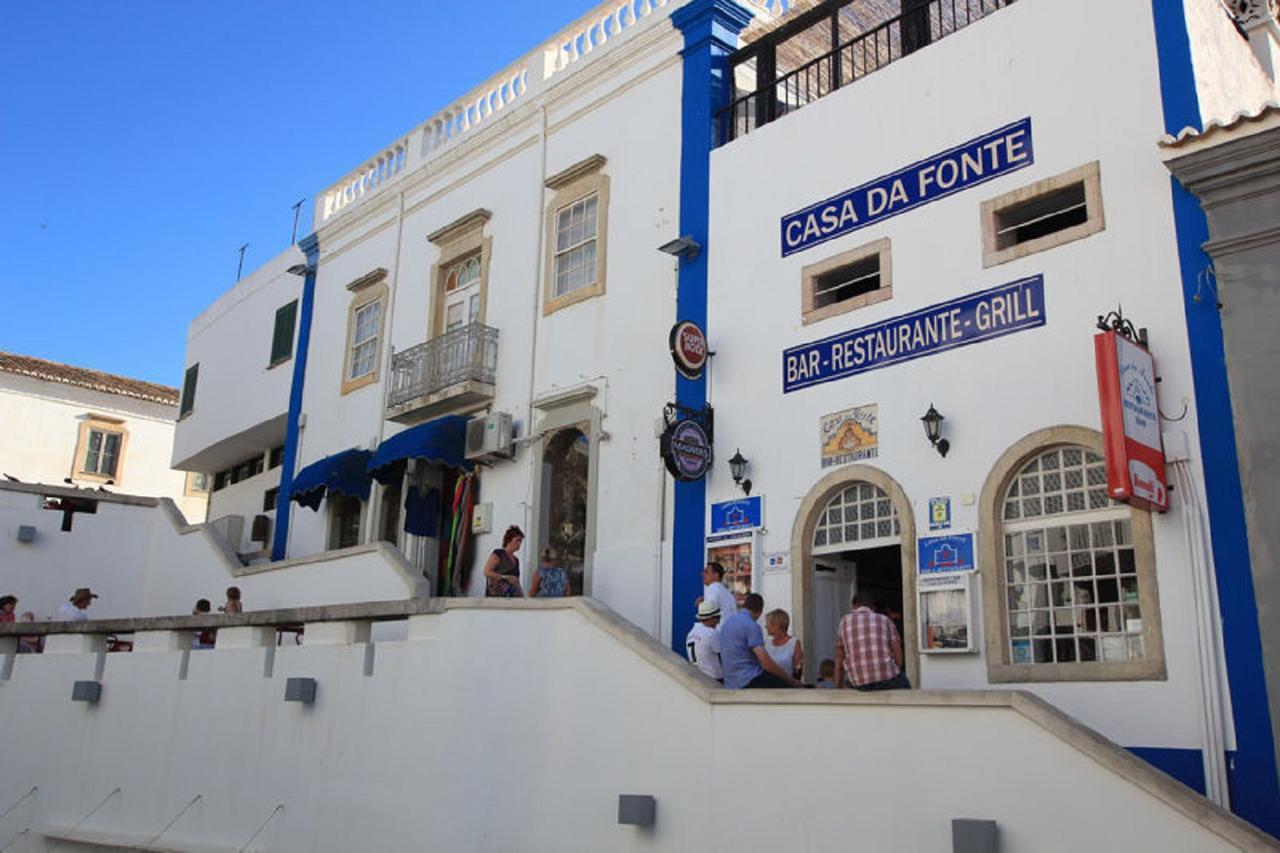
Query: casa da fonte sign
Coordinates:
[1131,422]
[974,162]
[970,319]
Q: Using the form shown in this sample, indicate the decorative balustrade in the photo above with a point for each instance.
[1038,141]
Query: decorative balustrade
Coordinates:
[572,45]
[466,354]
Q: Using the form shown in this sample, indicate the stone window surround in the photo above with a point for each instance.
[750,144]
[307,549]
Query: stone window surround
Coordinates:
[991,566]
[367,289]
[569,186]
[105,424]
[1090,174]
[561,410]
[809,282]
[457,241]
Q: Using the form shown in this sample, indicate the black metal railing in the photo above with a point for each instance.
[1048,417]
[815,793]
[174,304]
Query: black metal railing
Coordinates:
[468,353]
[867,52]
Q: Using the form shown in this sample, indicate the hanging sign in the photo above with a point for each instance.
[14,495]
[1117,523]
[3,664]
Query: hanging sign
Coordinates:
[939,554]
[1130,422]
[688,349]
[686,450]
[745,514]
[977,161]
[970,319]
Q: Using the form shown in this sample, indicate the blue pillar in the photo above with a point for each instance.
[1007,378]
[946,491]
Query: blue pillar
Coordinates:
[1251,770]
[710,29]
[310,246]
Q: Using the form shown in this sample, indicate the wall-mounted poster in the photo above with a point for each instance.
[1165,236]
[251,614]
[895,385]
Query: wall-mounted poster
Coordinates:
[737,554]
[850,435]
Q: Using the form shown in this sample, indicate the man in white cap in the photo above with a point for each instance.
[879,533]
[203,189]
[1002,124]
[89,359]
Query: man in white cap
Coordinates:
[702,645]
[75,608]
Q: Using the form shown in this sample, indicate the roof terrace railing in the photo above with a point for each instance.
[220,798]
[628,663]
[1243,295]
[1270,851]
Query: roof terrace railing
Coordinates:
[560,54]
[920,24]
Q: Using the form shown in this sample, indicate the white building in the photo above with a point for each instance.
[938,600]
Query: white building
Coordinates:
[93,430]
[1004,191]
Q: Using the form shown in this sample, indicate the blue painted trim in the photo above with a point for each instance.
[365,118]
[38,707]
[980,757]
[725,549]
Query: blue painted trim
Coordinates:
[1185,765]
[1251,773]
[310,246]
[710,29]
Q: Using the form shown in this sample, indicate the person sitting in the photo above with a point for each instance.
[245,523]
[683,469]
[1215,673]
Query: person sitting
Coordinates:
[869,649]
[826,673]
[742,654]
[702,644]
[782,647]
[205,638]
[76,608]
[30,644]
[233,604]
[550,580]
[8,604]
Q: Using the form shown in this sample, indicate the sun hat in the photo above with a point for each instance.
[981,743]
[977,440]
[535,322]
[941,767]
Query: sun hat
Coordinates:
[81,593]
[708,609]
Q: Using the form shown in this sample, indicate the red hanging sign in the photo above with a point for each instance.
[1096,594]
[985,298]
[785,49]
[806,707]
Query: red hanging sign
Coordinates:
[1130,422]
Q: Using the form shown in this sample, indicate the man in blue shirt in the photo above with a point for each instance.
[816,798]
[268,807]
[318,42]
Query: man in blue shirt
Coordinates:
[742,654]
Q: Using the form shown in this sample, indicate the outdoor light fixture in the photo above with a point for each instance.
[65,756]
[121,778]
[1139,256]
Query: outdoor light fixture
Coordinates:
[933,430]
[682,247]
[300,269]
[738,466]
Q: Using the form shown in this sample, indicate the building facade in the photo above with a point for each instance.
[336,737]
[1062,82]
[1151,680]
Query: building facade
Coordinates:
[878,213]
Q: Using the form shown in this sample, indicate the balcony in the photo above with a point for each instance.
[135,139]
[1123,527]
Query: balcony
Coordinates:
[451,374]
[831,46]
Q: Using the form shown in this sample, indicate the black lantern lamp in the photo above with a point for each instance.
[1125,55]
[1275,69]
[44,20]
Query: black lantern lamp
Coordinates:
[933,430]
[738,467]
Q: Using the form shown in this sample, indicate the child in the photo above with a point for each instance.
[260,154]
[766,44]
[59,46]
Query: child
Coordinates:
[783,648]
[233,601]
[827,673]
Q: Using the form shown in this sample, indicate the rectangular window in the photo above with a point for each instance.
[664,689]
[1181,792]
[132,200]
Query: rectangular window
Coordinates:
[344,520]
[575,263]
[102,454]
[282,335]
[277,457]
[849,280]
[197,483]
[189,391]
[1042,216]
[364,341]
[269,499]
[220,480]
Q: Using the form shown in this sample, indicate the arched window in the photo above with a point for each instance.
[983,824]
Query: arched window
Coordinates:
[859,516]
[1071,574]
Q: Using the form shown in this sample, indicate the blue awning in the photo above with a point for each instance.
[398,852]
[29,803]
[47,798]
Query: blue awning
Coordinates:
[344,472]
[442,441]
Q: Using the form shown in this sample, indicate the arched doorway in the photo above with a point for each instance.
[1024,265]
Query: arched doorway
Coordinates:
[854,529]
[566,462]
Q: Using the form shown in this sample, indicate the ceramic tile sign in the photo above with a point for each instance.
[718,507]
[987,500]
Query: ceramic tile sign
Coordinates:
[850,435]
[939,513]
[945,554]
[969,164]
[970,319]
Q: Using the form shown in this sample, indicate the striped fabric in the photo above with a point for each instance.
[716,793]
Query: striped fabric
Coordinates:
[867,639]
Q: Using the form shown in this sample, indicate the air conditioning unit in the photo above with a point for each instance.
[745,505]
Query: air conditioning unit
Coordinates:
[489,436]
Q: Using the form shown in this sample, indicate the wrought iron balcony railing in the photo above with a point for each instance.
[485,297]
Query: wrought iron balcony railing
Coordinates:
[466,354]
[785,79]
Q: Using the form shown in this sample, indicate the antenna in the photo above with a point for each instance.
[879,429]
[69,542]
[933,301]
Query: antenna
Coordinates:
[297,211]
[240,266]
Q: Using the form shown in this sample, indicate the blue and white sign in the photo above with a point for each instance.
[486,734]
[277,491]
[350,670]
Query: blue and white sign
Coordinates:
[939,513]
[941,554]
[746,514]
[974,162]
[977,317]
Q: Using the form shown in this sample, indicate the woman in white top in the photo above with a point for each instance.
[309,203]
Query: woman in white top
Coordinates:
[783,648]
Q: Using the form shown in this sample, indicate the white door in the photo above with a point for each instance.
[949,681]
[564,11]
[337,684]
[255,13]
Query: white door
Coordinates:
[462,294]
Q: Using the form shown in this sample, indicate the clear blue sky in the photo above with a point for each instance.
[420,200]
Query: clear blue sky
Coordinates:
[143,141]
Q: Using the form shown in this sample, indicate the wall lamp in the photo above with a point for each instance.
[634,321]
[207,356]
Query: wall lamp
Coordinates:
[300,269]
[933,430]
[684,247]
[738,467]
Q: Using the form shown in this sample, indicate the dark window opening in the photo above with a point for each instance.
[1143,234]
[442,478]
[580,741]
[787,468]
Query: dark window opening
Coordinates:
[219,481]
[282,335]
[269,499]
[344,520]
[390,527]
[1041,216]
[846,282]
[189,391]
[277,456]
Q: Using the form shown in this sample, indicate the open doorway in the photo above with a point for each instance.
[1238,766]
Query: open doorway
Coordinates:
[854,532]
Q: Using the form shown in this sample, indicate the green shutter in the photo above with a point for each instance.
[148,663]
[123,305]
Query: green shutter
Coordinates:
[189,391]
[282,337]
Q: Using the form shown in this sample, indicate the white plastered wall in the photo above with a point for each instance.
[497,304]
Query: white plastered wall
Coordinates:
[1229,78]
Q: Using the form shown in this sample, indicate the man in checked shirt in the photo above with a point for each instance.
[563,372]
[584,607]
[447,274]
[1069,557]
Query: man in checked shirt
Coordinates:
[869,650]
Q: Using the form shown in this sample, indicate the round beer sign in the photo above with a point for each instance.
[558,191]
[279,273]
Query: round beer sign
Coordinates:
[688,349]
[686,450]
